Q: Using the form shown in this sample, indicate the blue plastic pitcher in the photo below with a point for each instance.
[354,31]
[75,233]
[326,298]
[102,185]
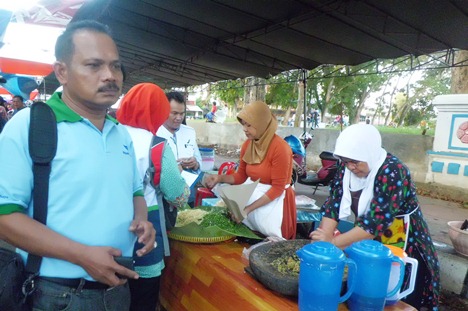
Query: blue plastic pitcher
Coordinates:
[374,262]
[321,275]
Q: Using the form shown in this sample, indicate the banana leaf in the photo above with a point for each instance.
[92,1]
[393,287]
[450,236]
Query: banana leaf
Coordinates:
[216,223]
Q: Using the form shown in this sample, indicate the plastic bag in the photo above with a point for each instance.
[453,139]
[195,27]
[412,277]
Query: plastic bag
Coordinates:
[246,251]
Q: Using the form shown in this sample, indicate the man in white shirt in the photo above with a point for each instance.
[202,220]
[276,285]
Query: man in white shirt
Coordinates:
[182,139]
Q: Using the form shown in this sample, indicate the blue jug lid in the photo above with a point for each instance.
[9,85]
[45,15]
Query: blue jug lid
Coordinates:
[324,251]
[369,248]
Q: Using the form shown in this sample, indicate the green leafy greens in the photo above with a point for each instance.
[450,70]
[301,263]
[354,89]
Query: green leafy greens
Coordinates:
[215,223]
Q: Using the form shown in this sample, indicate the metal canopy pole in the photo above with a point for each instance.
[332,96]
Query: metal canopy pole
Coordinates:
[304,83]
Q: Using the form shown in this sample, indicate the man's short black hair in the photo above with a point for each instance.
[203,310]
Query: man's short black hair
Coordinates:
[64,47]
[177,96]
[19,97]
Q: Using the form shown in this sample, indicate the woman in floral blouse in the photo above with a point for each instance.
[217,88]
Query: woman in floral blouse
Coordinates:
[377,188]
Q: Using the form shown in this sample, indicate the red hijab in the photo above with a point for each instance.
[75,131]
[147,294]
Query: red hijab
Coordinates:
[144,106]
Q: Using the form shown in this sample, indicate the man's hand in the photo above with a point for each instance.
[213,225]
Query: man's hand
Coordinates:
[98,261]
[189,163]
[146,234]
[100,264]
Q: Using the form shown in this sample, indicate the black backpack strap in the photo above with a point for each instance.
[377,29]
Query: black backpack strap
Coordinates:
[42,149]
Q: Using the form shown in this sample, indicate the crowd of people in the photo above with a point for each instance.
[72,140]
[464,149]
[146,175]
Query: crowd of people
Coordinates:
[9,109]
[100,179]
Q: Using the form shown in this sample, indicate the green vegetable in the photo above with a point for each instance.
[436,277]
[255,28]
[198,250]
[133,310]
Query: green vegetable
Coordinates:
[222,221]
[215,223]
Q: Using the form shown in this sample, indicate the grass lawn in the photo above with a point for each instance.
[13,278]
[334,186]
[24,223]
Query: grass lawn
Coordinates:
[406,130]
[410,130]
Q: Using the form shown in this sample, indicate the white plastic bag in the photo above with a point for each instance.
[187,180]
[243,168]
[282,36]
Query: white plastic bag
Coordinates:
[246,251]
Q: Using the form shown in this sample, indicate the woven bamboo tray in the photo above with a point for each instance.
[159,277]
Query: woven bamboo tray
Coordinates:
[200,240]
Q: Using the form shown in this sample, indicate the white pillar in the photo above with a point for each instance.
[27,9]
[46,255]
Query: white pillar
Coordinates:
[448,161]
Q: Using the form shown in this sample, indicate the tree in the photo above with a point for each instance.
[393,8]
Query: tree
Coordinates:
[344,89]
[320,88]
[230,92]
[254,89]
[432,83]
[392,95]
[401,105]
[459,74]
[282,92]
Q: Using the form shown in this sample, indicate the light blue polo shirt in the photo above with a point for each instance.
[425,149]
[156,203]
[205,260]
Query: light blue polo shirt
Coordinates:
[92,183]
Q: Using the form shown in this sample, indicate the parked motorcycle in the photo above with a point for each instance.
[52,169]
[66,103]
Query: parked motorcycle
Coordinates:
[300,174]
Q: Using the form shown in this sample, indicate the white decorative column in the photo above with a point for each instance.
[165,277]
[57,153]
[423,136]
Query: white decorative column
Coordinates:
[448,161]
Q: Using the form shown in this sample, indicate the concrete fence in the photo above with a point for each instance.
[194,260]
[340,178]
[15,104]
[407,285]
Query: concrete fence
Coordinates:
[411,149]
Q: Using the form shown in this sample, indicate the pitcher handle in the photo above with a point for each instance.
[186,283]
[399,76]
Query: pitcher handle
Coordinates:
[414,271]
[402,274]
[351,282]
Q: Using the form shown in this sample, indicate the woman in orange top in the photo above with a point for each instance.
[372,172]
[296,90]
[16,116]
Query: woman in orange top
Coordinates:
[267,157]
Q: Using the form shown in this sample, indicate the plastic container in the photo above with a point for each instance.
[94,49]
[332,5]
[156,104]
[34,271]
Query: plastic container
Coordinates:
[202,193]
[458,237]
[395,274]
[227,168]
[374,262]
[321,276]
[208,159]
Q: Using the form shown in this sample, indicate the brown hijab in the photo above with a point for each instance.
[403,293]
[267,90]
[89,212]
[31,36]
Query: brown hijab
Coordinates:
[260,117]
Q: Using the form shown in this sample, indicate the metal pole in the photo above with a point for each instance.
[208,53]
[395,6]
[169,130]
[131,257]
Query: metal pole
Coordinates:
[304,83]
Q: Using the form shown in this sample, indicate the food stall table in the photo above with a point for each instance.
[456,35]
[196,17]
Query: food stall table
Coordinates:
[212,277]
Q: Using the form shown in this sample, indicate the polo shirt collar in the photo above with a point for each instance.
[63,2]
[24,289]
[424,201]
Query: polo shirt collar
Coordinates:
[64,113]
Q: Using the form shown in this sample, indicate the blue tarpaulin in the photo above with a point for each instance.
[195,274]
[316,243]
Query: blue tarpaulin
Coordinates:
[19,85]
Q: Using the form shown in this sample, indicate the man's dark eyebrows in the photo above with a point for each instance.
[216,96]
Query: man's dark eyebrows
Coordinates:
[94,60]
[100,60]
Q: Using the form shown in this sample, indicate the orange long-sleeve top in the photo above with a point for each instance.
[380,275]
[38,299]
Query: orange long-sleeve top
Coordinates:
[274,170]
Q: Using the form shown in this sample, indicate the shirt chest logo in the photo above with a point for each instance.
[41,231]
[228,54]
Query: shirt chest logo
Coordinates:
[125,150]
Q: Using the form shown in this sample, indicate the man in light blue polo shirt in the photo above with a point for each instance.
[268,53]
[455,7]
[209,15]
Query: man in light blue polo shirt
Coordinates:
[96,208]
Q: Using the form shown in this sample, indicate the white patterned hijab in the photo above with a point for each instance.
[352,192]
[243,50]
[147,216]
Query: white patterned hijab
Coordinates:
[360,142]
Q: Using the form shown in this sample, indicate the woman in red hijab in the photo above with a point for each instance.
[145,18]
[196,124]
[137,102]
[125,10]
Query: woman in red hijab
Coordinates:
[143,110]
